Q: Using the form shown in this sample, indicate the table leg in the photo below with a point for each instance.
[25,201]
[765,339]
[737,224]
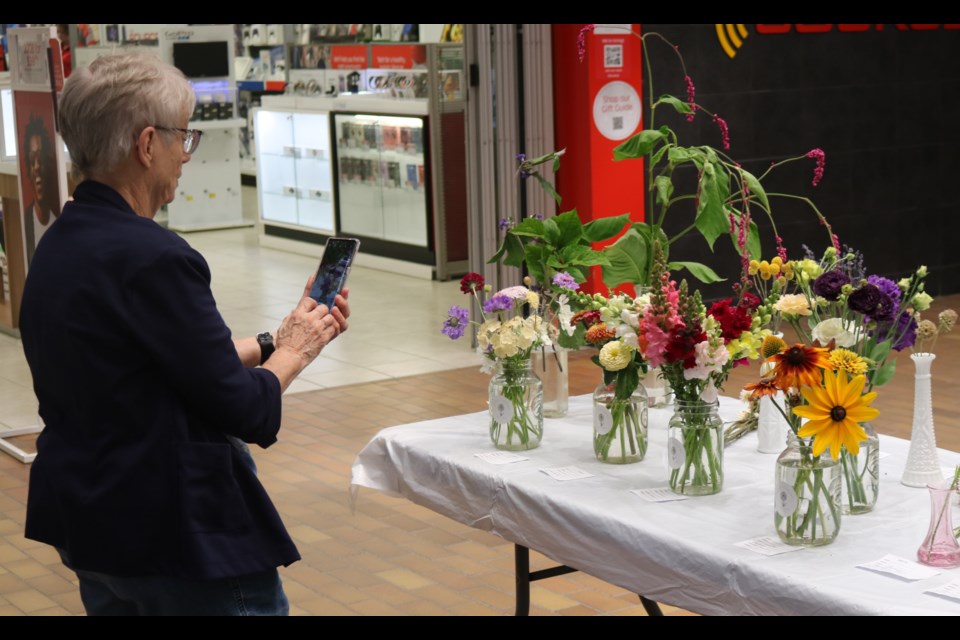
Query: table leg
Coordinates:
[650,606]
[524,577]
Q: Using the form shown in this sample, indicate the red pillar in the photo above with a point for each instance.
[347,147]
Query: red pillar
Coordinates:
[598,103]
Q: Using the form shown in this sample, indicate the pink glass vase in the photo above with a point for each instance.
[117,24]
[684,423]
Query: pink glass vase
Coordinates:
[940,548]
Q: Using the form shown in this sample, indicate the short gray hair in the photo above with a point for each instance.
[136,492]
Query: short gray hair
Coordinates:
[105,106]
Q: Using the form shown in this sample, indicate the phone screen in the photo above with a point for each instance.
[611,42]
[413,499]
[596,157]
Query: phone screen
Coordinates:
[334,267]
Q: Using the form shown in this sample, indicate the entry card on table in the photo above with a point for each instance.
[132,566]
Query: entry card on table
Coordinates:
[500,457]
[900,567]
[767,545]
[662,494]
[567,473]
[950,590]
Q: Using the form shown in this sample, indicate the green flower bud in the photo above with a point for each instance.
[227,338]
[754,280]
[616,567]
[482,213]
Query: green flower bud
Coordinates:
[922,271]
[921,301]
[846,289]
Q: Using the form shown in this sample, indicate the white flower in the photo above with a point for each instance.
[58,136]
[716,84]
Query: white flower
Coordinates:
[835,329]
[630,318]
[709,360]
[514,293]
[709,393]
[615,356]
[794,304]
[564,314]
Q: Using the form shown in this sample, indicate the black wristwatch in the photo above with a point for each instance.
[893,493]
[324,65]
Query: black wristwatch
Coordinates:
[267,347]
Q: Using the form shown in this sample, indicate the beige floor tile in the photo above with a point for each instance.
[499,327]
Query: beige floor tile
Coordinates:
[405,579]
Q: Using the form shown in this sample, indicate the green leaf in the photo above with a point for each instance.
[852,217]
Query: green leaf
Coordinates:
[581,255]
[534,260]
[551,232]
[528,227]
[605,228]
[679,155]
[880,352]
[570,228]
[548,188]
[637,145]
[512,248]
[701,272]
[655,158]
[711,218]
[756,189]
[556,164]
[627,382]
[676,103]
[882,375]
[574,341]
[664,188]
[579,273]
[628,260]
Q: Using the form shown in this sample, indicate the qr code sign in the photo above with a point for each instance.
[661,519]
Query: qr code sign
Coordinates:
[617,123]
[613,55]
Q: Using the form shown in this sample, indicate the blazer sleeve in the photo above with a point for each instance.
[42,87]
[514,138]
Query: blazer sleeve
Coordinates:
[173,311]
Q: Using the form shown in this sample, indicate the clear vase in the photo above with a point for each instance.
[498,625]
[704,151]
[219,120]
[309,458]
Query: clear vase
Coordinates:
[923,463]
[550,365]
[619,425]
[516,406]
[659,393]
[807,507]
[940,548]
[861,474]
[695,448]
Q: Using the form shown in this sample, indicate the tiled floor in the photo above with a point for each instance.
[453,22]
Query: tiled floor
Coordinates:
[390,557]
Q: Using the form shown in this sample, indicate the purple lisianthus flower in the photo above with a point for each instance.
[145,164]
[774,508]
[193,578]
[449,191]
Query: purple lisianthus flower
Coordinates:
[886,309]
[565,281]
[497,303]
[904,331]
[865,300]
[505,223]
[829,284]
[456,323]
[887,286]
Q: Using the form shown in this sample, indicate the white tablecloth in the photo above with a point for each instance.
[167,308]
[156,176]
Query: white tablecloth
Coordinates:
[680,553]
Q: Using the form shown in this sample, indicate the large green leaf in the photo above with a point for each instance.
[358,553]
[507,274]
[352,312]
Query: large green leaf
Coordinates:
[627,382]
[879,352]
[655,158]
[679,155]
[570,227]
[628,260]
[528,227]
[512,248]
[711,219]
[676,103]
[548,188]
[637,145]
[605,228]
[534,259]
[572,342]
[582,255]
[701,272]
[756,189]
[664,188]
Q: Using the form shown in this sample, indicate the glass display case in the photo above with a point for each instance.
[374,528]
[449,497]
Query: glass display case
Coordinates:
[295,177]
[382,177]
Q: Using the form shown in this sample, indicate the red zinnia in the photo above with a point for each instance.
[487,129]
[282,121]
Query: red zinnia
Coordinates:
[471,282]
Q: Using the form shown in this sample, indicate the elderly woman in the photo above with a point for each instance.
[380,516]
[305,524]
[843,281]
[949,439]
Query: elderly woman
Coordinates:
[142,479]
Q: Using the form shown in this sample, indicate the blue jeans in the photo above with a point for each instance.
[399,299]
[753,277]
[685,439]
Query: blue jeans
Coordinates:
[259,594]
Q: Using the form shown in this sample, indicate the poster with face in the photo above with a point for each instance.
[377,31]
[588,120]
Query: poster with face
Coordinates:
[40,166]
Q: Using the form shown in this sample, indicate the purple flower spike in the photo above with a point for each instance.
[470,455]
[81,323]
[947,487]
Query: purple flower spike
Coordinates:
[821,159]
[724,131]
[497,303]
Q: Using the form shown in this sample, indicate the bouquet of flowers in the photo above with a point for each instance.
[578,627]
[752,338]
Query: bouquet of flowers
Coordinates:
[828,393]
[695,350]
[620,404]
[506,337]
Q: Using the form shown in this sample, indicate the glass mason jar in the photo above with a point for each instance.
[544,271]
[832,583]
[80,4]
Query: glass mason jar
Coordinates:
[806,495]
[619,426]
[861,474]
[516,406]
[695,448]
[550,365]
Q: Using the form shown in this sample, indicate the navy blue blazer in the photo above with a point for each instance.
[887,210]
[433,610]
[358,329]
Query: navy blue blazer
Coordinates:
[139,384]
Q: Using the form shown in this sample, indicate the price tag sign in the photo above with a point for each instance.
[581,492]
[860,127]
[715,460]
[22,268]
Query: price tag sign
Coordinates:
[900,567]
[500,457]
[767,546]
[662,494]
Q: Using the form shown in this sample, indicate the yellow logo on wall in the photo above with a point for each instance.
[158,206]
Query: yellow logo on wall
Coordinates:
[731,37]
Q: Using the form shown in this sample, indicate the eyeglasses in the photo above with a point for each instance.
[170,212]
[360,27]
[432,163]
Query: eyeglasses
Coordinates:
[191,137]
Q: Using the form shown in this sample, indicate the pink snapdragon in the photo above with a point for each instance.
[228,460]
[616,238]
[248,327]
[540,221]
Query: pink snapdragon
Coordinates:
[709,360]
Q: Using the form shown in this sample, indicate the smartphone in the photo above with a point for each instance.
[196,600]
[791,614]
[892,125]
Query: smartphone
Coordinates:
[335,264]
